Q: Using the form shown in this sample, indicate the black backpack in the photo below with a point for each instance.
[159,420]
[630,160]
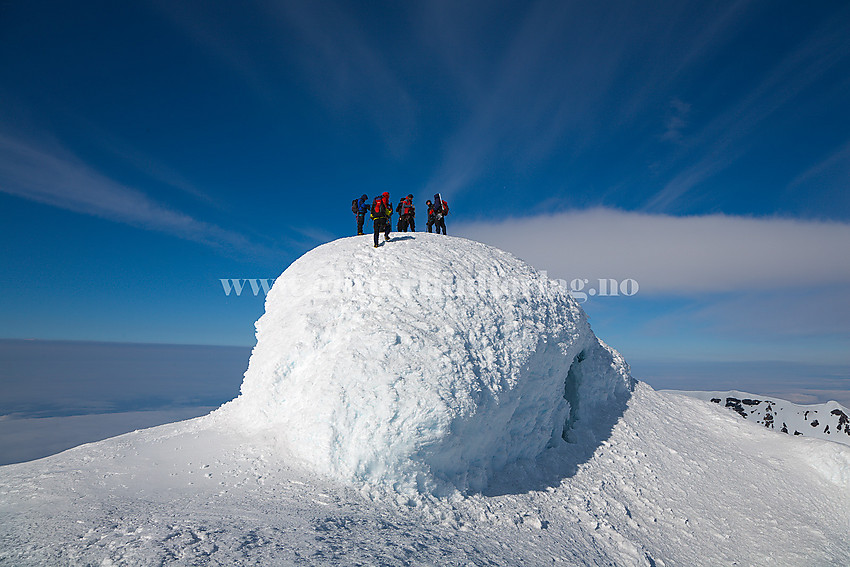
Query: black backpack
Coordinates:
[354,207]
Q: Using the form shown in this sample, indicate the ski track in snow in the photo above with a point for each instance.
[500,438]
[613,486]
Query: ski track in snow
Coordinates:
[667,480]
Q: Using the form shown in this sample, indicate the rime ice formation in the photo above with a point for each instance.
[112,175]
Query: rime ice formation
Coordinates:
[428,363]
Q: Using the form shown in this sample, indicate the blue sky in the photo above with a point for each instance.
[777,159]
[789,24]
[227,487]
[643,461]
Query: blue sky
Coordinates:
[149,149]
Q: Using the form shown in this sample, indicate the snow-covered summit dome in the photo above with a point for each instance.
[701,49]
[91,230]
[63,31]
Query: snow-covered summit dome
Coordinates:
[428,363]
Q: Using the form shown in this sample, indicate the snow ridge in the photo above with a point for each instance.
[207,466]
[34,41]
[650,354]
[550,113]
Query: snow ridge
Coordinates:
[829,421]
[427,364]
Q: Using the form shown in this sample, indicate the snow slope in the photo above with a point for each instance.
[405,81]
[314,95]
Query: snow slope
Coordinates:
[830,421]
[611,473]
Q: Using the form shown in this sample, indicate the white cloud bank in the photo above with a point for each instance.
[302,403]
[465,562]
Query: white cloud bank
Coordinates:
[683,255]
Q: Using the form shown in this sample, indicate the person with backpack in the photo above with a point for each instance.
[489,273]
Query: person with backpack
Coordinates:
[360,207]
[380,214]
[441,209]
[429,223]
[388,205]
[400,211]
[407,213]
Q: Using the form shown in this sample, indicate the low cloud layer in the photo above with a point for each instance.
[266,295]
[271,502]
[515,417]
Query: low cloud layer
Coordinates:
[680,255]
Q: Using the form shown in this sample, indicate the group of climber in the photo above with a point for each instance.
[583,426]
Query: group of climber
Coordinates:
[381,211]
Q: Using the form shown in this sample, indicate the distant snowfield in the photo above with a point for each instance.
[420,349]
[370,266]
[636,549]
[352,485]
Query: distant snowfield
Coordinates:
[617,474]
[60,394]
[25,439]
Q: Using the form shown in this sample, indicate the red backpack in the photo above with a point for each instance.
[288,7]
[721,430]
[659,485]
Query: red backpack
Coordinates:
[378,207]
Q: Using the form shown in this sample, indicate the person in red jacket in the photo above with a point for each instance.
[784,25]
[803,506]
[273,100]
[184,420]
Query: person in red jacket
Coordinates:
[388,204]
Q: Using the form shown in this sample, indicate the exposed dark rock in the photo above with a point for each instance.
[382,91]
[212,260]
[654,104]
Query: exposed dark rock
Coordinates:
[735,404]
[843,420]
[772,416]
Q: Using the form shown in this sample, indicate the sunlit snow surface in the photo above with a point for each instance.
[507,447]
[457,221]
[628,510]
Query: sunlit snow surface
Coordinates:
[643,478]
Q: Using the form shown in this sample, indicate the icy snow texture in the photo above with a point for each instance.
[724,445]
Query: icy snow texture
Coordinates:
[426,364]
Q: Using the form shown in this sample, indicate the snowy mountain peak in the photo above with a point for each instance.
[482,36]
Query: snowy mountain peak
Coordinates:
[427,364]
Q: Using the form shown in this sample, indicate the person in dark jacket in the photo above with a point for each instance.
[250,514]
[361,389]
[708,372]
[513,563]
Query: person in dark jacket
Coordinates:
[362,208]
[441,209]
[400,212]
[408,212]
[429,224]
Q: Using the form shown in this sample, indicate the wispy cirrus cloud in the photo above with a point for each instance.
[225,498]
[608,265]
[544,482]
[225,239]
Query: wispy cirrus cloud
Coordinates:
[825,181]
[152,167]
[322,44]
[567,76]
[677,121]
[347,69]
[203,23]
[732,133]
[50,174]
[838,160]
[572,83]
[527,103]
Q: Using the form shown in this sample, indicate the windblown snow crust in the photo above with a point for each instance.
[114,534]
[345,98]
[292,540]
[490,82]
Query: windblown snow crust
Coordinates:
[426,364]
